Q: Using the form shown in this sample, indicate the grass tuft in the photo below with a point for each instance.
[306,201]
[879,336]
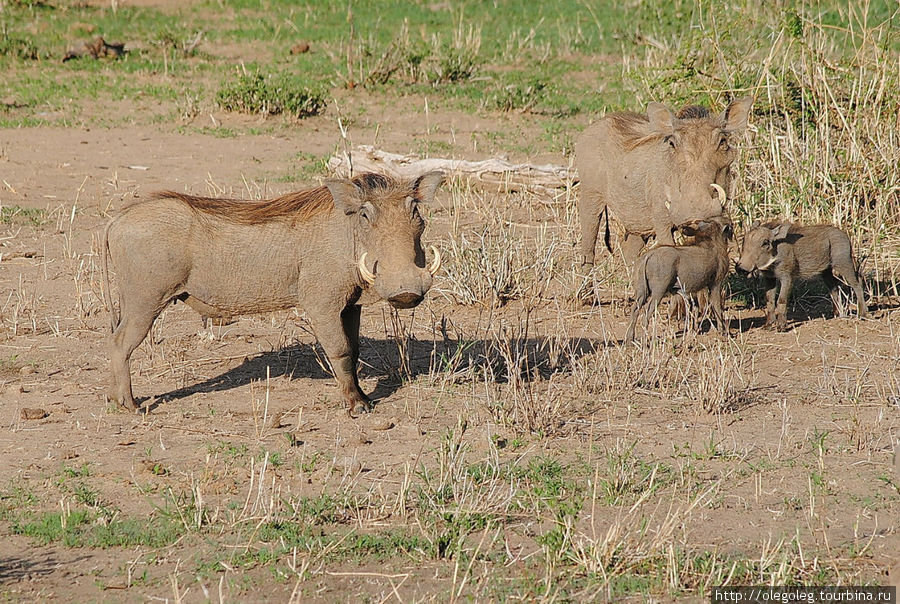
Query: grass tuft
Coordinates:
[272,95]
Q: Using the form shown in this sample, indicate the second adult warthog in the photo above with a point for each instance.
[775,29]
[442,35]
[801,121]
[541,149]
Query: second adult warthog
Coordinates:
[653,171]
[321,249]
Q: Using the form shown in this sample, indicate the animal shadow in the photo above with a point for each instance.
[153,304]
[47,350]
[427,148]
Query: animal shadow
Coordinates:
[15,568]
[809,300]
[395,362]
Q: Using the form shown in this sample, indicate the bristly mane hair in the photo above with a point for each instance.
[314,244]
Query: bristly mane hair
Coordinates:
[298,206]
[692,112]
[632,128]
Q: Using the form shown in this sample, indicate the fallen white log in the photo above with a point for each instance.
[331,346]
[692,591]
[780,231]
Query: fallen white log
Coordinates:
[494,172]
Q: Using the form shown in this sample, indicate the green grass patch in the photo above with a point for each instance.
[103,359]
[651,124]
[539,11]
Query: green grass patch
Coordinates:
[271,95]
[13,215]
[306,167]
[283,536]
[82,528]
[555,60]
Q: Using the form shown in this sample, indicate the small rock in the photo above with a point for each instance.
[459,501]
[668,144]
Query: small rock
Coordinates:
[28,413]
[154,467]
[364,440]
[26,370]
[15,390]
[348,464]
[275,422]
[300,48]
[381,424]
[19,254]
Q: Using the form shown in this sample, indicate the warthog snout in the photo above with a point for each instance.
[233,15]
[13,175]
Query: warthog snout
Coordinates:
[406,300]
[408,292]
[740,269]
[401,288]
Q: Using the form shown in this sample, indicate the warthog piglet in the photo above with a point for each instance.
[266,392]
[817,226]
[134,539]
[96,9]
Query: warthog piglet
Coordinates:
[782,252]
[686,270]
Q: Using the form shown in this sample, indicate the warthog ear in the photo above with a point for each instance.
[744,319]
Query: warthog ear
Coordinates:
[693,228]
[661,119]
[427,185]
[728,230]
[781,231]
[347,196]
[734,118]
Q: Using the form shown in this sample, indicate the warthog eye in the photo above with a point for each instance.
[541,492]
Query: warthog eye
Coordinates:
[766,244]
[723,142]
[365,215]
[671,140]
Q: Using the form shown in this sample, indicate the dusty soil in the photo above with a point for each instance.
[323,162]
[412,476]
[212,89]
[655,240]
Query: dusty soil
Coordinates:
[207,386]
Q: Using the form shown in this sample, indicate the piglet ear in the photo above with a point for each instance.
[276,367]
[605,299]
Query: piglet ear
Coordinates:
[347,196]
[692,228]
[781,231]
[425,187]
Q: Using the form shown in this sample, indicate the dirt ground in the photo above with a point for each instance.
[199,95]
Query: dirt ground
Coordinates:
[255,380]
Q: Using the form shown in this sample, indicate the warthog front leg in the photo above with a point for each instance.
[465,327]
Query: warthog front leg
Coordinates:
[784,292]
[339,336]
[663,232]
[769,285]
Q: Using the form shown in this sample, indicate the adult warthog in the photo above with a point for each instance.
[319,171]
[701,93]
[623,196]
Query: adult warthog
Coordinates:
[321,249]
[653,172]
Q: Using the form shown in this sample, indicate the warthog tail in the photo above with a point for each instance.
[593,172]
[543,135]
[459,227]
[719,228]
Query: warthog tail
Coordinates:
[104,267]
[606,229]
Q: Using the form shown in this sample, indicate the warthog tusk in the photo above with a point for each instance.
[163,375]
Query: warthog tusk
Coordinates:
[720,191]
[436,263]
[771,261]
[367,275]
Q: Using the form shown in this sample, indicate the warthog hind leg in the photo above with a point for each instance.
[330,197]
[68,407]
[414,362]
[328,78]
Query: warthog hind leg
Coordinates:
[848,274]
[130,332]
[589,217]
[631,247]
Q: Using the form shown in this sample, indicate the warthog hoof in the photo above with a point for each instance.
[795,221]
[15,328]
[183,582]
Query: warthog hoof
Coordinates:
[359,407]
[120,401]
